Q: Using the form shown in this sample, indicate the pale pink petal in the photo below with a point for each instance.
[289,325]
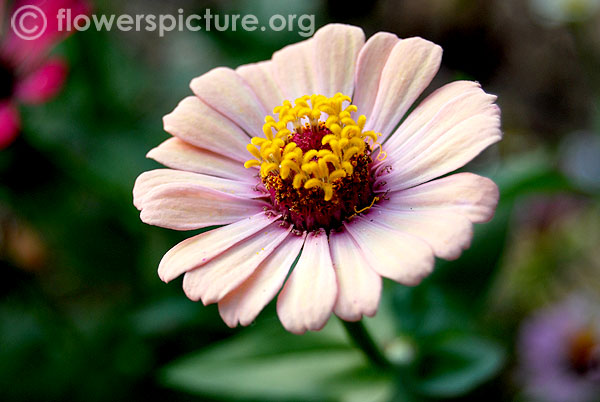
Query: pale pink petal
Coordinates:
[359,287]
[468,194]
[10,124]
[448,233]
[409,69]
[294,69]
[226,92]
[154,179]
[190,206]
[193,121]
[215,279]
[369,66]
[392,254]
[443,153]
[42,84]
[198,250]
[443,109]
[446,131]
[260,77]
[243,304]
[180,155]
[308,297]
[336,50]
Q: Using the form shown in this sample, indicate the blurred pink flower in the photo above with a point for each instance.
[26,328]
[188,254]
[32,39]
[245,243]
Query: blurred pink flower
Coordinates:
[559,351]
[328,194]
[27,75]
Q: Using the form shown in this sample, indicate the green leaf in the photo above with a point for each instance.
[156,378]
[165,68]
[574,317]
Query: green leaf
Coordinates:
[268,363]
[528,174]
[426,311]
[457,364]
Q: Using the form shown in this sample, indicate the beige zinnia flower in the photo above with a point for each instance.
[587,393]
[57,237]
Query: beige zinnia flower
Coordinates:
[329,179]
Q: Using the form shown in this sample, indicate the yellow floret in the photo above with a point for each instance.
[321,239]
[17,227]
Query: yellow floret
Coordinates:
[276,153]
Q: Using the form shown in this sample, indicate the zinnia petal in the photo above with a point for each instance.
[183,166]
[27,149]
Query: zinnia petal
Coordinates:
[336,50]
[448,130]
[246,302]
[190,206]
[200,249]
[468,194]
[461,145]
[359,287]
[177,154]
[308,297]
[215,279]
[447,233]
[392,253]
[259,77]
[294,69]
[409,69]
[193,121]
[226,92]
[154,179]
[369,66]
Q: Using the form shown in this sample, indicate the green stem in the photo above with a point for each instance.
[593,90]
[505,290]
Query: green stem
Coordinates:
[361,337]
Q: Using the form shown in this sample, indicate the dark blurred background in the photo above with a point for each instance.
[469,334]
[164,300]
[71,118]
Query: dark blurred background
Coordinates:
[84,316]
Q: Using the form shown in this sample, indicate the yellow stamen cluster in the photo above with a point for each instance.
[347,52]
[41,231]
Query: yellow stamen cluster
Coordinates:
[344,140]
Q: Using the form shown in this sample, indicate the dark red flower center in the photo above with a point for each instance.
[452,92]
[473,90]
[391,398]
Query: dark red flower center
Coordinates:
[305,208]
[315,161]
[584,353]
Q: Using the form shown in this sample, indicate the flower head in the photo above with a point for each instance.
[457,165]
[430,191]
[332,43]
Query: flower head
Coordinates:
[26,74]
[302,158]
[318,173]
[560,352]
